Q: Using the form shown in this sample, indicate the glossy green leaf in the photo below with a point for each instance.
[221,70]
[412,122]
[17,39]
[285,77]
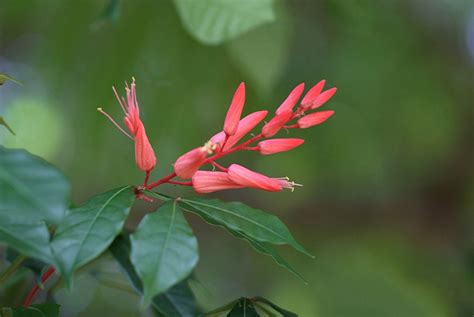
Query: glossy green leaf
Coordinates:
[243,308]
[4,78]
[39,310]
[30,238]
[5,124]
[31,189]
[178,301]
[262,247]
[89,229]
[216,21]
[164,250]
[236,216]
[283,312]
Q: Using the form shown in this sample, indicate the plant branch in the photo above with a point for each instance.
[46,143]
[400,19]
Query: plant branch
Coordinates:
[12,268]
[34,291]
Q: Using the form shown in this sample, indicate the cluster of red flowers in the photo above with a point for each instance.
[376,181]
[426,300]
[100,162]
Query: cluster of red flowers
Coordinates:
[227,141]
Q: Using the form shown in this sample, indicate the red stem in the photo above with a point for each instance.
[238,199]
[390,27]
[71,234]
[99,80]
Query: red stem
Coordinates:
[147,176]
[222,168]
[44,278]
[161,181]
[180,183]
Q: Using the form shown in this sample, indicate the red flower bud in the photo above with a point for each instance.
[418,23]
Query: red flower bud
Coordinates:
[188,163]
[235,111]
[277,122]
[312,94]
[245,126]
[207,182]
[314,119]
[323,98]
[278,145]
[291,100]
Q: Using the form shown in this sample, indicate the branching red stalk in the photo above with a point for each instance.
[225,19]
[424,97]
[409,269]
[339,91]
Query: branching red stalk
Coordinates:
[34,291]
[222,168]
[161,181]
[180,183]
[211,160]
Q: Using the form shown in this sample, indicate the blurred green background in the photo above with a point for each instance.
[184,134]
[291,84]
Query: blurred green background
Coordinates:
[387,205]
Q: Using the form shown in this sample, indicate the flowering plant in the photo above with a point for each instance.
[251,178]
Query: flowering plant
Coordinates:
[160,255]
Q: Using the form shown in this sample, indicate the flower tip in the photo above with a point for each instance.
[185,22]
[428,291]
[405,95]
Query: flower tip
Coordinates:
[100,109]
[235,111]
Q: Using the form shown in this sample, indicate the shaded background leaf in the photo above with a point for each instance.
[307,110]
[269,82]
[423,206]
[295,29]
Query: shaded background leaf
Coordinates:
[217,21]
[30,238]
[4,78]
[243,307]
[178,301]
[5,124]
[30,188]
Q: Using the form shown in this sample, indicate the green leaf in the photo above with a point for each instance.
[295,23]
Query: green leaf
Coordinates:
[30,238]
[89,229]
[110,13]
[5,124]
[283,312]
[261,247]
[4,78]
[250,52]
[40,310]
[267,249]
[30,188]
[216,21]
[241,218]
[178,301]
[219,310]
[34,265]
[164,250]
[243,308]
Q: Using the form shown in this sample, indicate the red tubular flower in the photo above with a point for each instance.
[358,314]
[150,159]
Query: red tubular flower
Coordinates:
[314,119]
[312,94]
[245,126]
[208,182]
[247,178]
[291,100]
[278,145]
[188,163]
[323,98]
[277,122]
[235,111]
[144,155]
